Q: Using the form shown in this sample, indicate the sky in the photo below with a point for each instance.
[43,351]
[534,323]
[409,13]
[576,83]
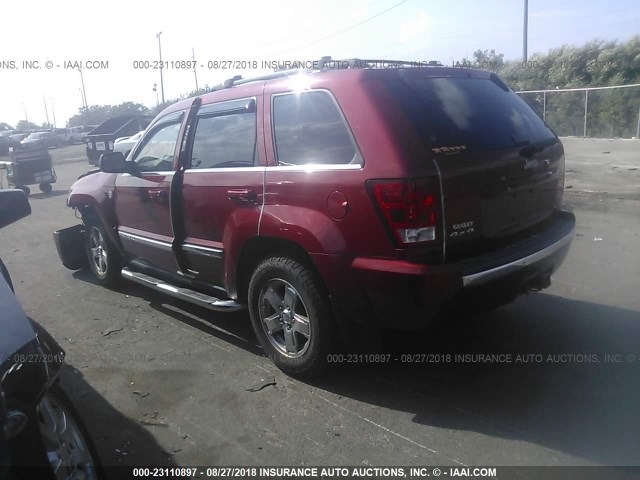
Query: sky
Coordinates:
[118,36]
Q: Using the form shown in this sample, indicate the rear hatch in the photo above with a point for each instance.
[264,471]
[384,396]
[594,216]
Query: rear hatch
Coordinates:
[501,168]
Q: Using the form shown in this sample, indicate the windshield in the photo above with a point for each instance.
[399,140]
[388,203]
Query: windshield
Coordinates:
[476,113]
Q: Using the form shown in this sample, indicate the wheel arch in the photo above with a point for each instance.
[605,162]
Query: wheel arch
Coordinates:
[92,209]
[258,248]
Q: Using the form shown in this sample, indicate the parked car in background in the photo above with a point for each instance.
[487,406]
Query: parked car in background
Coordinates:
[41,434]
[9,133]
[124,145]
[47,138]
[18,137]
[332,201]
[79,134]
[64,135]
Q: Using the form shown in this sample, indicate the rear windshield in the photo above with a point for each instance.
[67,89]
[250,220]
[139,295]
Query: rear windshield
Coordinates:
[474,113]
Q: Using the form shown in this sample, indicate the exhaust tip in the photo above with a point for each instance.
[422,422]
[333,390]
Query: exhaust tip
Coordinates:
[538,283]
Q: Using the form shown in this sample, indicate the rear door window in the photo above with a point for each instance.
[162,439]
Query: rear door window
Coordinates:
[310,129]
[475,113]
[225,141]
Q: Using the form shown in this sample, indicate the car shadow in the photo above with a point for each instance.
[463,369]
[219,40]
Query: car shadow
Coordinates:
[233,327]
[120,442]
[42,195]
[574,388]
[559,373]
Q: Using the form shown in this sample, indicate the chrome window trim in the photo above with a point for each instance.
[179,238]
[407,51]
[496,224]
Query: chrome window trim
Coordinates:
[311,167]
[167,173]
[225,169]
[140,239]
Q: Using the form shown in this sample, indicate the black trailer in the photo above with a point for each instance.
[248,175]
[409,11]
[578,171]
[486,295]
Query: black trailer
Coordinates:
[30,165]
[101,139]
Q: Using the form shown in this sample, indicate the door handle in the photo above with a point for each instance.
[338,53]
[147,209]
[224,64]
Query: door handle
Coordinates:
[156,194]
[243,195]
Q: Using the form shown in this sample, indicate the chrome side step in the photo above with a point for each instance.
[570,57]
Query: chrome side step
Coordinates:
[182,293]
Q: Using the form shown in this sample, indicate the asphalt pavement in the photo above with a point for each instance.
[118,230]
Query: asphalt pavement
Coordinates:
[550,380]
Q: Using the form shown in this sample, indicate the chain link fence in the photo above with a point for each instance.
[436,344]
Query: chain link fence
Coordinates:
[598,112]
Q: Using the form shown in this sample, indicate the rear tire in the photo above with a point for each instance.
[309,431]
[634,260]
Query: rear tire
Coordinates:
[46,187]
[104,259]
[291,316]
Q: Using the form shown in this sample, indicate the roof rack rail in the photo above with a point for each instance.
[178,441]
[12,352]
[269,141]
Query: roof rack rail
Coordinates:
[325,63]
[238,80]
[369,62]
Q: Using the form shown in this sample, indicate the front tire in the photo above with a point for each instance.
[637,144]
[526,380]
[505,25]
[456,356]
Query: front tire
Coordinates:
[103,257]
[291,316]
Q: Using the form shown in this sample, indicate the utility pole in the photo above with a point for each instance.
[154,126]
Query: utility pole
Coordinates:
[46,113]
[53,112]
[161,79]
[24,107]
[84,91]
[195,75]
[524,30]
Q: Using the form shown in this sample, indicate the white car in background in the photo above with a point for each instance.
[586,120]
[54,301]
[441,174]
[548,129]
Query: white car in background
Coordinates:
[79,134]
[126,144]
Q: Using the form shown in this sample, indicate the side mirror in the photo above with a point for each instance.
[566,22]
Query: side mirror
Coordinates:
[13,206]
[113,162]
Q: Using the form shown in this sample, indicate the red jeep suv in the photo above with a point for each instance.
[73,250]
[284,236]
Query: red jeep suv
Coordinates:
[332,198]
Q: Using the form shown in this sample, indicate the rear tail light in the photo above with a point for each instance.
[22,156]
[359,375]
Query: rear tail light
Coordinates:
[409,207]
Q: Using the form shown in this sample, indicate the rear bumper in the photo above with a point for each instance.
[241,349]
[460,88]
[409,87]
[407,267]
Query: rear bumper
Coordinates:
[405,295]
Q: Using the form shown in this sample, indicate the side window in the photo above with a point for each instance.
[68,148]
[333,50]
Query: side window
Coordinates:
[309,128]
[224,141]
[157,153]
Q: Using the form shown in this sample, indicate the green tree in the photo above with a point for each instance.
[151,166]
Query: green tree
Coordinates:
[597,63]
[25,125]
[96,114]
[5,126]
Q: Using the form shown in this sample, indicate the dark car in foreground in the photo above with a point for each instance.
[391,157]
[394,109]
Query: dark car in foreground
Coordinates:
[41,434]
[330,200]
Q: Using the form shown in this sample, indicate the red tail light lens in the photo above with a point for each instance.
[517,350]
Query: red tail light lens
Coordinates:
[410,208]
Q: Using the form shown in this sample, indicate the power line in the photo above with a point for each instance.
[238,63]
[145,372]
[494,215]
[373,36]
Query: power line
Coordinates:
[351,27]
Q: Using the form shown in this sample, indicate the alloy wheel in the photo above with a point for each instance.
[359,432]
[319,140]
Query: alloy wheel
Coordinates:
[284,318]
[98,249]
